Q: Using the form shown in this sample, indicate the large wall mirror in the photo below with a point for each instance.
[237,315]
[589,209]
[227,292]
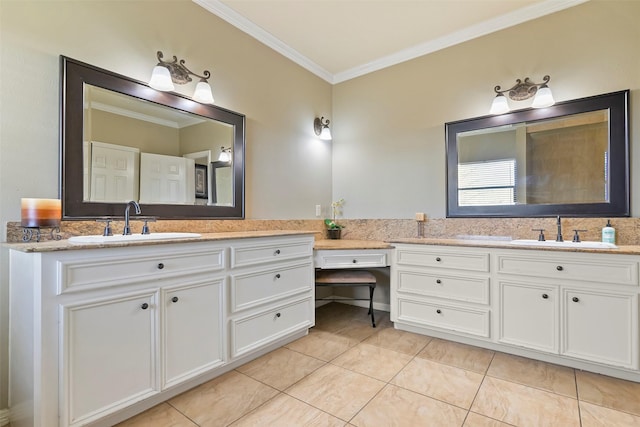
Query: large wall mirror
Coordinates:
[568,159]
[122,140]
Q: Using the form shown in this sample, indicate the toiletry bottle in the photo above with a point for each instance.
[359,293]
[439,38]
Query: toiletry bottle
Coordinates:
[609,233]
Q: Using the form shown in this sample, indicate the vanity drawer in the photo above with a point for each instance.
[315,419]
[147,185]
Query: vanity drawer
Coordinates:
[351,259]
[260,287]
[252,332]
[429,283]
[274,251]
[443,258]
[459,319]
[613,269]
[86,273]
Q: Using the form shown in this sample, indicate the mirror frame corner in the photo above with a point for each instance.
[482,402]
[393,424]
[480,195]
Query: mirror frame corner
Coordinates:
[617,103]
[74,74]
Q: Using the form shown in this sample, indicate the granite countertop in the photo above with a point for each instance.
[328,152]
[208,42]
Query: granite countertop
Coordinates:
[505,244]
[64,245]
[330,244]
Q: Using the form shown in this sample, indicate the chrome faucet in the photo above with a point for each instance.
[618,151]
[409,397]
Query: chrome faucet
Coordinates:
[559,235]
[127,229]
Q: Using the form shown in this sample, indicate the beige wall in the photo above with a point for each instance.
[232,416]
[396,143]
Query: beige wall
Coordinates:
[288,168]
[388,126]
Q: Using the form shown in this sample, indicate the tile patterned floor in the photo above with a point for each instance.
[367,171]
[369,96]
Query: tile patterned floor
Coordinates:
[345,373]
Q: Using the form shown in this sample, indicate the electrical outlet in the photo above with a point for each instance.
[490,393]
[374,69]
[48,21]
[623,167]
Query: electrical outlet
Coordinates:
[318,210]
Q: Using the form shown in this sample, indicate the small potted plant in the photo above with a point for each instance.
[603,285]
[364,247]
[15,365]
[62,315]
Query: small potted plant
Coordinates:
[333,228]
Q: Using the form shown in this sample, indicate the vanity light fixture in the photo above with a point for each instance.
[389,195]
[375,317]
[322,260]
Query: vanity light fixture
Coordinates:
[166,73]
[321,128]
[225,155]
[522,90]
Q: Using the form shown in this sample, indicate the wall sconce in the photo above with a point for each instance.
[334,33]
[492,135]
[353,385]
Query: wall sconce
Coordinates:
[225,155]
[321,128]
[521,91]
[165,74]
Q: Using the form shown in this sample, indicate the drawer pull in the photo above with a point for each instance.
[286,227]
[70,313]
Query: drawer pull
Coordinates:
[160,266]
[438,259]
[575,299]
[439,311]
[277,252]
[174,299]
[438,281]
[545,296]
[278,276]
[559,268]
[355,261]
[278,315]
[144,306]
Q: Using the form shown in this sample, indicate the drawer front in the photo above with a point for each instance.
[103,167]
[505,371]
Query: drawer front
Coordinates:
[339,259]
[82,274]
[459,319]
[430,283]
[260,287]
[273,251]
[444,258]
[623,272]
[255,331]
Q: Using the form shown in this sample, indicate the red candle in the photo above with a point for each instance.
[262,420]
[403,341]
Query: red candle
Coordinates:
[41,212]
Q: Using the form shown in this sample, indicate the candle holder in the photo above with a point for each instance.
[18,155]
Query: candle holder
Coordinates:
[28,232]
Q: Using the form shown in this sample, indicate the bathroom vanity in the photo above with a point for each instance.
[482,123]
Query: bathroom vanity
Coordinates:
[574,308]
[100,333]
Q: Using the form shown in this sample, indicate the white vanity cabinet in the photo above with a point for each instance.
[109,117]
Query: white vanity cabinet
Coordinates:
[271,293]
[442,288]
[573,308]
[98,335]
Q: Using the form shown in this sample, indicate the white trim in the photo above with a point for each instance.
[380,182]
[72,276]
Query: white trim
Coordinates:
[4,417]
[496,24]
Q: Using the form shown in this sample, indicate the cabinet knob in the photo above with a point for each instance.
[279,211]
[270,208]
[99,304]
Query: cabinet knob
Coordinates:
[278,315]
[438,281]
[277,252]
[545,296]
[278,276]
[174,299]
[438,311]
[575,299]
[144,306]
[160,266]
[438,259]
[355,261]
[559,268]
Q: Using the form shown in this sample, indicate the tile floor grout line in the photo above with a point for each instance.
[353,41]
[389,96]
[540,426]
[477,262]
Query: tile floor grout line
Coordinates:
[180,412]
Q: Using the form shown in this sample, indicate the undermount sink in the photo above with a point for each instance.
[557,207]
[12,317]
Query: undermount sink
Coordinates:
[566,244]
[119,238]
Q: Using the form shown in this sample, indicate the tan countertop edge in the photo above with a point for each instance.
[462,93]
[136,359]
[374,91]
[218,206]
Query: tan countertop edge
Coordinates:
[504,244]
[337,244]
[64,245]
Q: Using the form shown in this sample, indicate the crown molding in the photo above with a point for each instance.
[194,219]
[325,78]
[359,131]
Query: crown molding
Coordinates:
[492,25]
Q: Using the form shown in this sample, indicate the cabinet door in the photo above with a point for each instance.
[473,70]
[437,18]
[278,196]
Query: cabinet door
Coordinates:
[193,330]
[601,327]
[110,353]
[529,316]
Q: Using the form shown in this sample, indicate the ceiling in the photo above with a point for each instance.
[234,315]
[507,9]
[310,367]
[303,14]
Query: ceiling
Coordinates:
[342,39]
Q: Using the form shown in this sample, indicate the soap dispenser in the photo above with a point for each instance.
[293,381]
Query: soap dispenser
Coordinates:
[608,233]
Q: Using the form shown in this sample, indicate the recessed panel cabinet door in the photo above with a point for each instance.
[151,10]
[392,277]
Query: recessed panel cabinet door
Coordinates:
[529,316]
[601,327]
[193,330]
[110,349]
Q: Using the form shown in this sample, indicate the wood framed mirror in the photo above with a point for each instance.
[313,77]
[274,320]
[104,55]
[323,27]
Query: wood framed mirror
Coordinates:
[568,159]
[122,140]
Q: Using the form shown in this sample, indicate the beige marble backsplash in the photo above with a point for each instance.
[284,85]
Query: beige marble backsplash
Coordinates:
[627,229]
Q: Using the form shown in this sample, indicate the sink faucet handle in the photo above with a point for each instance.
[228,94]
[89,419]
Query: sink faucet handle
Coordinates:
[107,227]
[576,235]
[541,235]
